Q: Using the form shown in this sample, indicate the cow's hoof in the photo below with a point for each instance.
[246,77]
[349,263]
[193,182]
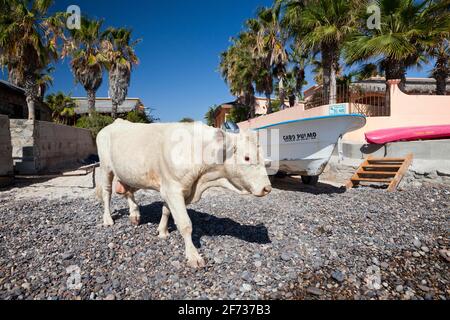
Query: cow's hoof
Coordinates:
[108,222]
[135,221]
[196,262]
[164,235]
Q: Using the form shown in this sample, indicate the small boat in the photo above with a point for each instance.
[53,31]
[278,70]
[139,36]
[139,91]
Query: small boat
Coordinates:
[304,146]
[408,134]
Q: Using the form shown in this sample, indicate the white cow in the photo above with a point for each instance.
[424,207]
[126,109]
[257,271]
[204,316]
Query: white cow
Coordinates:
[181,161]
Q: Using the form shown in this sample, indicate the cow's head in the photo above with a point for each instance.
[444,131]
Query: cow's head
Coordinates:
[244,164]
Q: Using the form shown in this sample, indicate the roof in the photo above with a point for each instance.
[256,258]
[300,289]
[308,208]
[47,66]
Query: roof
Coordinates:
[11,86]
[421,85]
[104,105]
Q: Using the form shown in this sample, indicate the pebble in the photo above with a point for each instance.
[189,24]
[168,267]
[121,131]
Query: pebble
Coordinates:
[247,276]
[445,254]
[399,288]
[286,256]
[67,256]
[417,243]
[100,280]
[338,276]
[425,249]
[416,254]
[26,286]
[423,288]
[246,287]
[314,291]
[176,264]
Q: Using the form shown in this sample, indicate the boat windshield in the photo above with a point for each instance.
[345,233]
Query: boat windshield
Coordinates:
[230,126]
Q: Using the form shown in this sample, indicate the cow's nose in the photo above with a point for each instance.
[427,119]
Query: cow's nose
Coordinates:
[267,190]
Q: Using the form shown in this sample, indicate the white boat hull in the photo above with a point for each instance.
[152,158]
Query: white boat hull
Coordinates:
[304,146]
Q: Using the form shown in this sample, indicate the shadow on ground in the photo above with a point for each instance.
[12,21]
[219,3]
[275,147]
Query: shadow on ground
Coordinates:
[295,184]
[23,182]
[206,225]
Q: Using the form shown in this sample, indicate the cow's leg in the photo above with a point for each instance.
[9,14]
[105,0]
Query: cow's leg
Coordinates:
[177,206]
[135,214]
[107,180]
[163,228]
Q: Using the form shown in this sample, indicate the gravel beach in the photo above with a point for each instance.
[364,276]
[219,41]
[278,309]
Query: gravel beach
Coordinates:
[299,242]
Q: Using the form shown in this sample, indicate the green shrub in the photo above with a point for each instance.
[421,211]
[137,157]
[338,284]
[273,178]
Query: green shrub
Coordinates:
[138,117]
[276,105]
[239,113]
[187,120]
[95,123]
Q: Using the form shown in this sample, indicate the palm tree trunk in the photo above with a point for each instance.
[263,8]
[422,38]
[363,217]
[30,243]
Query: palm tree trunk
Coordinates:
[249,100]
[441,85]
[282,93]
[31,94]
[114,111]
[299,82]
[441,73]
[269,103]
[31,108]
[333,88]
[327,70]
[91,101]
[292,100]
[395,70]
[330,65]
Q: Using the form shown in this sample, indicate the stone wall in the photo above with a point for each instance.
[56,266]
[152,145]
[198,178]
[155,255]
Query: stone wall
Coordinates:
[40,146]
[6,162]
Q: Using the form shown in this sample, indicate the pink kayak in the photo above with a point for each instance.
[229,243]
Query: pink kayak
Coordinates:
[408,134]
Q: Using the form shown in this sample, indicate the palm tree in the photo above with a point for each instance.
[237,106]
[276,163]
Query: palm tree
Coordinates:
[439,48]
[210,116]
[62,106]
[28,44]
[239,69]
[401,41]
[88,59]
[299,58]
[120,58]
[367,71]
[44,81]
[323,26]
[270,49]
[441,70]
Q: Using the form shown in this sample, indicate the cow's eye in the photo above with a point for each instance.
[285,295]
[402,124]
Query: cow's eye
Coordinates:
[247,159]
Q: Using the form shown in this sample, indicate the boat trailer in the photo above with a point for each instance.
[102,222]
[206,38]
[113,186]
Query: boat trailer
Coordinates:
[82,171]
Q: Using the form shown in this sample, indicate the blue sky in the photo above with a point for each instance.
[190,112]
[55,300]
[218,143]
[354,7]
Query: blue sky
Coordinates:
[179,53]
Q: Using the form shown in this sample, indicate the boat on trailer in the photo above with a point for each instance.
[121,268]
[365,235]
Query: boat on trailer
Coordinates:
[305,146]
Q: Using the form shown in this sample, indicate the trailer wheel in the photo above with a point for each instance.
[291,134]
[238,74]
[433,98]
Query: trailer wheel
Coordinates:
[310,180]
